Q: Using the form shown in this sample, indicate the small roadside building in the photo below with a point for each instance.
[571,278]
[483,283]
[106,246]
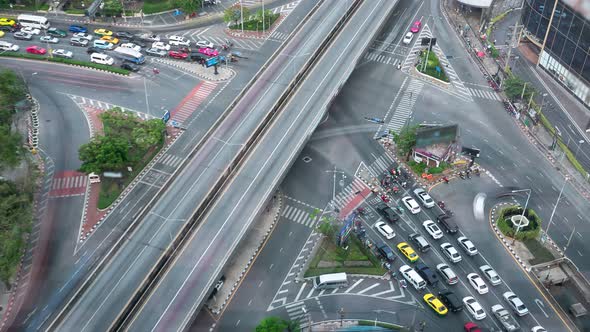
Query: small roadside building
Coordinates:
[436,144]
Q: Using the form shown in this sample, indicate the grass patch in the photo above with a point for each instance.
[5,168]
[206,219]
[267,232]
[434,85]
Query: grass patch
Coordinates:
[158,6]
[330,252]
[67,61]
[431,65]
[393,327]
[528,232]
[75,11]
[256,25]
[541,253]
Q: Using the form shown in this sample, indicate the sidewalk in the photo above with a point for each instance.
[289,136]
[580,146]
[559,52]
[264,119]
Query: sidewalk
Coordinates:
[246,254]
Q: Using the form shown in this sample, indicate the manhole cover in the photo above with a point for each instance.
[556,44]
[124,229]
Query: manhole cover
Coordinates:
[306,159]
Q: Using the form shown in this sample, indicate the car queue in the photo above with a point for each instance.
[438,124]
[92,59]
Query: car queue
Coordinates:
[99,44]
[449,263]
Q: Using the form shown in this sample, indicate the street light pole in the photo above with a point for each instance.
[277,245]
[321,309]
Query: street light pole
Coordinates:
[523,89]
[242,15]
[555,206]
[523,211]
[580,142]
[569,240]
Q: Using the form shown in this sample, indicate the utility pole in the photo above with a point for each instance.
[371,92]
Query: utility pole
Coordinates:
[242,15]
[262,16]
[514,38]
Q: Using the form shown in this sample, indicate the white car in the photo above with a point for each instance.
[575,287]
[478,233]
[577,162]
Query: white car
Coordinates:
[451,252]
[178,41]
[161,46]
[204,43]
[432,229]
[491,275]
[477,282]
[131,46]
[61,53]
[447,274]
[474,308]
[408,38]
[385,230]
[424,198]
[50,40]
[516,304]
[538,329]
[83,35]
[30,30]
[411,204]
[467,245]
[150,37]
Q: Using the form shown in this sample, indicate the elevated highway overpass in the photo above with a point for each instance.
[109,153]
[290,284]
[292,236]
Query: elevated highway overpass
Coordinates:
[170,301]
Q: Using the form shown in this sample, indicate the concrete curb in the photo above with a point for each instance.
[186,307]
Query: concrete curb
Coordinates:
[180,65]
[252,259]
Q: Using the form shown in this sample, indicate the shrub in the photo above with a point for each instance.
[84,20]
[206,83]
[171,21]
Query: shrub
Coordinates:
[528,232]
[435,170]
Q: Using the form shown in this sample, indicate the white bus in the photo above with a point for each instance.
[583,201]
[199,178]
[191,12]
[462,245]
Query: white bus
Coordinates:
[129,54]
[332,280]
[34,21]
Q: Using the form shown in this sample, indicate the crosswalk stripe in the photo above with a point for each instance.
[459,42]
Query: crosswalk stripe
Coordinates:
[368,288]
[286,210]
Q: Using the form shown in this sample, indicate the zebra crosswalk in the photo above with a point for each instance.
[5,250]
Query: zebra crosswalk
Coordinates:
[170,160]
[297,311]
[300,215]
[382,58]
[405,107]
[192,101]
[101,105]
[277,35]
[68,183]
[485,94]
[381,164]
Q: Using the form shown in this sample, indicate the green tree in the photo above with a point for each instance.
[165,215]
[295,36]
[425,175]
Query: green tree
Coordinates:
[149,133]
[112,7]
[11,149]
[232,14]
[267,18]
[272,324]
[103,153]
[189,6]
[406,139]
[514,86]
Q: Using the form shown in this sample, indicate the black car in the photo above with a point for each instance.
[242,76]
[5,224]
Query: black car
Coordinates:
[386,252]
[93,49]
[78,42]
[451,300]
[425,272]
[196,56]
[124,34]
[447,223]
[388,213]
[130,66]
[7,28]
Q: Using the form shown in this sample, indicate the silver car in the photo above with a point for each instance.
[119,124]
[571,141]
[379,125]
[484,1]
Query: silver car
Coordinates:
[155,52]
[61,53]
[50,40]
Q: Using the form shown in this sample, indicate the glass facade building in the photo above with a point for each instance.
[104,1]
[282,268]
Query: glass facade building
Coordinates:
[563,38]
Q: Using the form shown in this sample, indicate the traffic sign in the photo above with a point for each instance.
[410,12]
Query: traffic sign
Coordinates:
[212,62]
[166,116]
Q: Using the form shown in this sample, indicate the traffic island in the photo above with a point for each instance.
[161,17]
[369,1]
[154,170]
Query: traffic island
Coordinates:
[355,258]
[429,64]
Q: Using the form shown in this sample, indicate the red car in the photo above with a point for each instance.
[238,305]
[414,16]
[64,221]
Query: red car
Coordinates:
[208,51]
[178,55]
[36,50]
[416,27]
[471,327]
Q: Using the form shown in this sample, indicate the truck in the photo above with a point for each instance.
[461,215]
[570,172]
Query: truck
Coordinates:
[508,322]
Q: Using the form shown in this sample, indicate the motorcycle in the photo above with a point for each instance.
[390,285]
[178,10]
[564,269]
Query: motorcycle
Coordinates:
[445,179]
[468,174]
[384,198]
[361,211]
[403,283]
[462,175]
[476,171]
[441,205]
[395,190]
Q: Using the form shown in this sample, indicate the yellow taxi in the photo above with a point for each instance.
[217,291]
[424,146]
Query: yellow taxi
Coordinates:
[110,39]
[103,32]
[405,249]
[435,304]
[7,21]
[1,33]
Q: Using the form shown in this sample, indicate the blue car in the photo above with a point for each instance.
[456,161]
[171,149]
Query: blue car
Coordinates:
[77,28]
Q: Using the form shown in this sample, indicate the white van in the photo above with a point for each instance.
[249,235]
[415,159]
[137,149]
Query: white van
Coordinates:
[6,46]
[102,59]
[332,280]
[412,277]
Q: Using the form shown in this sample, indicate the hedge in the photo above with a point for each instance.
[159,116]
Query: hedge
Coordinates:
[112,69]
[528,232]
